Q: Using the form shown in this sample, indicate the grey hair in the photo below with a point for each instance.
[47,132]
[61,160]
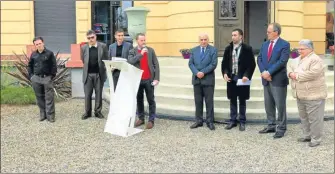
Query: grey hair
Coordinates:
[203,34]
[308,43]
[276,27]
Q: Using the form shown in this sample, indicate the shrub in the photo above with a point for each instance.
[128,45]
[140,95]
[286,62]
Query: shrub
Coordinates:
[62,86]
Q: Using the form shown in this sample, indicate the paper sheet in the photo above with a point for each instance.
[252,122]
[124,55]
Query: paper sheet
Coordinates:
[241,83]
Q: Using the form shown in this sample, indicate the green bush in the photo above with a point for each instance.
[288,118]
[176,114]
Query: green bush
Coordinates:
[61,83]
[17,95]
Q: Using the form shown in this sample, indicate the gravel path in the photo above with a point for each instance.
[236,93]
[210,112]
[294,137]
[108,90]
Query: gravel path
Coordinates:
[73,145]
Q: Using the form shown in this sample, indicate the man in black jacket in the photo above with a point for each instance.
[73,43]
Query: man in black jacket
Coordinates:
[238,63]
[42,69]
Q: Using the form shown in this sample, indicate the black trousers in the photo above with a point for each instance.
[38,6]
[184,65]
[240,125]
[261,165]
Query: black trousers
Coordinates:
[145,86]
[202,92]
[43,87]
[233,104]
[93,82]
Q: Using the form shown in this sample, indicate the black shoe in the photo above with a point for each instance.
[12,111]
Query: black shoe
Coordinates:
[278,135]
[42,119]
[230,126]
[52,120]
[211,126]
[196,125]
[304,140]
[242,127]
[99,115]
[85,116]
[267,130]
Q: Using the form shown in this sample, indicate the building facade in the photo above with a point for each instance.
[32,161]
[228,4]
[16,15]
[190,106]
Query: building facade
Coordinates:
[171,25]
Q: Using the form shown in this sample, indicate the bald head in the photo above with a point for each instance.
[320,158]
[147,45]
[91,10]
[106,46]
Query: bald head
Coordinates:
[203,40]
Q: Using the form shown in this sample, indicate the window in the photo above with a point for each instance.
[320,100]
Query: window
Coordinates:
[228,9]
[107,17]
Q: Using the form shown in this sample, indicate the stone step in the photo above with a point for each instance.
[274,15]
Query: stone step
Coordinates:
[186,79]
[220,90]
[223,113]
[185,70]
[222,102]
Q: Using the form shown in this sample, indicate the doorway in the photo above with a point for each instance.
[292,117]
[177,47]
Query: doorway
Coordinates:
[256,22]
[109,16]
[250,16]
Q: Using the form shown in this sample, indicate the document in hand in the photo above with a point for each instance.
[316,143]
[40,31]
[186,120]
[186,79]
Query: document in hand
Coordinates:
[241,83]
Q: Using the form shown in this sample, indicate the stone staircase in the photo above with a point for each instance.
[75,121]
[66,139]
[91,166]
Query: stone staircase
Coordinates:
[174,94]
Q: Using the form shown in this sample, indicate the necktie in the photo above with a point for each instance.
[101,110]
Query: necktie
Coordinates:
[270,50]
[202,52]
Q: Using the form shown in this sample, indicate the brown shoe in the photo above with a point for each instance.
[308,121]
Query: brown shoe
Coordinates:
[150,125]
[139,123]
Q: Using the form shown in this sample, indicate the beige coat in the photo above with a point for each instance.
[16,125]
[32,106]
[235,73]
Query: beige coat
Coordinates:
[310,73]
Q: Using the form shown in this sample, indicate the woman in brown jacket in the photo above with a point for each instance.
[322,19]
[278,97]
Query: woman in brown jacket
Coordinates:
[307,74]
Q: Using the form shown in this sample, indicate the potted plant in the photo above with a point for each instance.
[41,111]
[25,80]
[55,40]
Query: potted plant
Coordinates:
[294,53]
[186,53]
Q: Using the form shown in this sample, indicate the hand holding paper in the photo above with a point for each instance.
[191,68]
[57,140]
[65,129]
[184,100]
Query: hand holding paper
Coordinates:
[241,83]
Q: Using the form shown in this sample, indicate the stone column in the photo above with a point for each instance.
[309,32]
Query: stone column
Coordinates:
[136,21]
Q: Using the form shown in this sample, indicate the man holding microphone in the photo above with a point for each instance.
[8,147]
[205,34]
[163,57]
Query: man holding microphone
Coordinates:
[144,58]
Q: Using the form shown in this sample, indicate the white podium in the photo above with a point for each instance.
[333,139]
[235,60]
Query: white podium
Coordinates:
[122,107]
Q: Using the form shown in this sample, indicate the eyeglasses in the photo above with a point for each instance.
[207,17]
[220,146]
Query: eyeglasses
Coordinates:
[301,49]
[89,38]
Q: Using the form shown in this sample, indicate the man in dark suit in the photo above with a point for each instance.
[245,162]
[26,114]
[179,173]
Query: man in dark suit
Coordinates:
[272,61]
[119,49]
[144,58]
[94,73]
[238,63]
[202,63]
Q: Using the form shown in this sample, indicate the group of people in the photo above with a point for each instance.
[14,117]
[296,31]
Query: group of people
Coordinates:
[94,72]
[306,74]
[43,69]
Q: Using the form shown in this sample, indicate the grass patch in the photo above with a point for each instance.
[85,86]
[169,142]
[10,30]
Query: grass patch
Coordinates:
[17,95]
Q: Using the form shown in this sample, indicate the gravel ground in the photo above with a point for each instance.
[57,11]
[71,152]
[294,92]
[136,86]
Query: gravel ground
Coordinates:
[73,145]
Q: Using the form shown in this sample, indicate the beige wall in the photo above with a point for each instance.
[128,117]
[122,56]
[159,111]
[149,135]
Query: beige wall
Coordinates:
[315,24]
[171,26]
[17,26]
[83,19]
[302,20]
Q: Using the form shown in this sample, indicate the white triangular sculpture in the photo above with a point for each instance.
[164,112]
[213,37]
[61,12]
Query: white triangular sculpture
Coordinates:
[122,107]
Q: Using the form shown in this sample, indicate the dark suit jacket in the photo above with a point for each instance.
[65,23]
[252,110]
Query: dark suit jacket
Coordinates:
[207,65]
[102,55]
[277,64]
[246,67]
[125,52]
[134,58]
